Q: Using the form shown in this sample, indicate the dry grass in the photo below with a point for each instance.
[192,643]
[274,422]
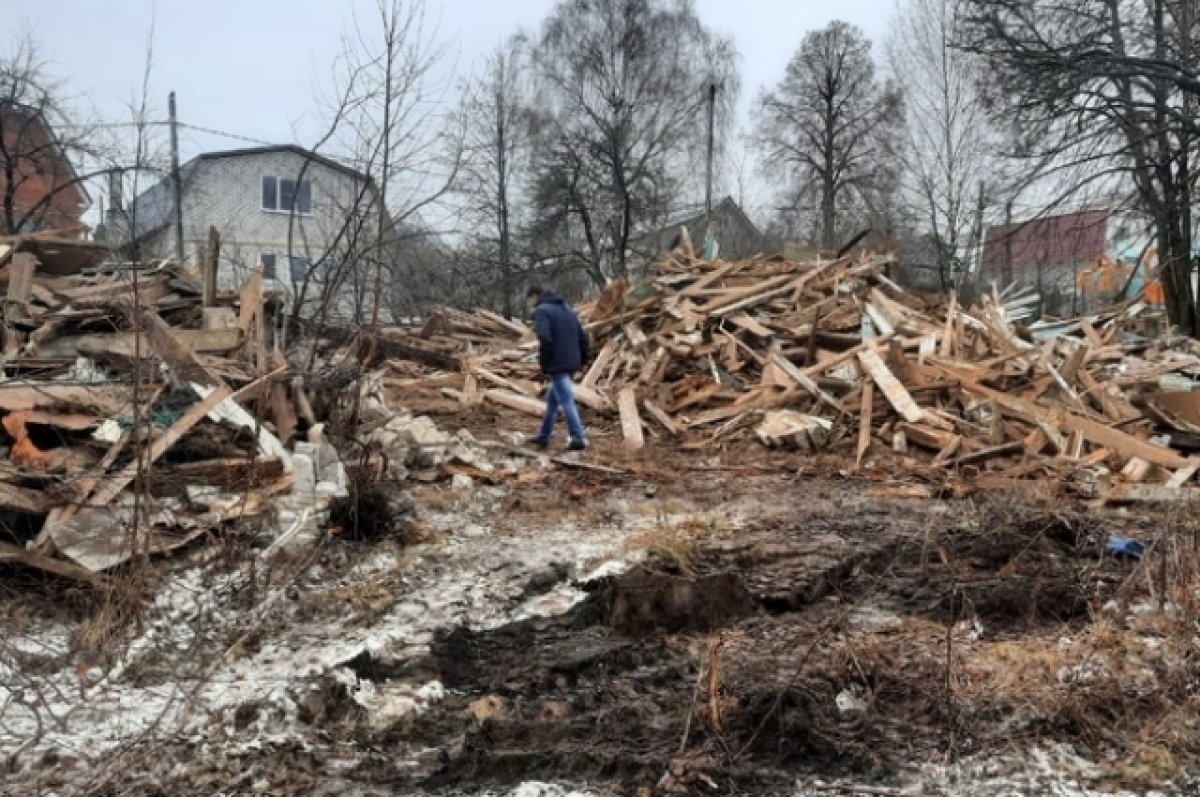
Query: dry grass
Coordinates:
[118,613]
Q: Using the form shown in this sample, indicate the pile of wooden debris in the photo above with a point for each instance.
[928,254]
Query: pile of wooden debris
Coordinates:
[133,406]
[810,354]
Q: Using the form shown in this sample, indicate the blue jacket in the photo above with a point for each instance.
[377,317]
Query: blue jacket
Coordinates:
[563,345]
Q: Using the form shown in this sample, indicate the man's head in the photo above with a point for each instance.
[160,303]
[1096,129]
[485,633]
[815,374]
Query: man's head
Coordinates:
[534,295]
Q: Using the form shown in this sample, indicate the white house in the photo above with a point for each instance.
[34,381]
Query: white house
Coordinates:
[294,211]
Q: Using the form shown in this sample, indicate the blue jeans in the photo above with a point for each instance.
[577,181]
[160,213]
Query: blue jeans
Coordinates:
[561,395]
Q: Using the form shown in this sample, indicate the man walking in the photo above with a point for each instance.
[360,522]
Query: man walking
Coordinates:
[562,351]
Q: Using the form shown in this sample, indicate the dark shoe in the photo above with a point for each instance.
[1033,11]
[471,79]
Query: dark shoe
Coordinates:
[539,443]
[577,445]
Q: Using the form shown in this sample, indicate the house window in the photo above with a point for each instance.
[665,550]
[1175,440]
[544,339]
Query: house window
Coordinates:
[268,264]
[282,194]
[299,266]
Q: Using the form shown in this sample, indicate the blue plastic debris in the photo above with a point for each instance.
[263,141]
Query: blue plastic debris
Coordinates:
[1123,546]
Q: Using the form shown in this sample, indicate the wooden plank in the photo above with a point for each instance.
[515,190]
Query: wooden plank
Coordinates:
[76,422]
[864,422]
[631,422]
[1125,445]
[516,401]
[895,392]
[1110,406]
[712,277]
[1089,332]
[747,323]
[881,322]
[1184,474]
[1136,470]
[657,413]
[112,486]
[22,499]
[11,553]
[1074,361]
[600,363]
[20,282]
[212,341]
[591,398]
[951,448]
[499,381]
[805,381]
[946,349]
[516,328]
[1074,448]
[983,455]
[251,301]
[170,350]
[926,437]
[282,412]
[104,400]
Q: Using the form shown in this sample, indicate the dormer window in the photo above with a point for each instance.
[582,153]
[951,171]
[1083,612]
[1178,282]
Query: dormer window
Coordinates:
[281,194]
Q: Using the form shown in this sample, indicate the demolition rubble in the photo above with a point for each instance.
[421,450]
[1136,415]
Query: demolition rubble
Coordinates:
[835,355]
[112,369]
[128,394]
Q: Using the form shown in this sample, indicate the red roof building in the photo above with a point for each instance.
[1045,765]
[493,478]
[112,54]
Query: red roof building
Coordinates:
[1052,246]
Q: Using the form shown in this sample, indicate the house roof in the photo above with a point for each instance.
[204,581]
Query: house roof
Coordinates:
[726,204]
[1046,241]
[315,157]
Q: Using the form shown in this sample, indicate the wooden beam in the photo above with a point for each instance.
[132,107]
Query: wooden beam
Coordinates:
[20,284]
[207,341]
[112,486]
[251,302]
[212,259]
[1125,445]
[515,401]
[631,422]
[22,499]
[805,381]
[11,553]
[864,422]
[895,392]
[658,414]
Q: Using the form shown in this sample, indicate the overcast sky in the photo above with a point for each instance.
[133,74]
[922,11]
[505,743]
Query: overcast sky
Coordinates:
[253,68]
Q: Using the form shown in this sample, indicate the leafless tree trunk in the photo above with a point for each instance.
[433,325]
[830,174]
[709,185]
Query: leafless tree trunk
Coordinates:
[496,114]
[829,125]
[621,122]
[950,139]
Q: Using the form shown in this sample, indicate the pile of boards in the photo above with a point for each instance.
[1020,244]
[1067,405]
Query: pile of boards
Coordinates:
[136,415]
[829,353]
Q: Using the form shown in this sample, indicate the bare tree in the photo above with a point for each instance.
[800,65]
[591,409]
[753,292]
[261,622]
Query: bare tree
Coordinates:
[829,125]
[496,110]
[622,92]
[46,157]
[1107,89]
[951,146]
[385,121]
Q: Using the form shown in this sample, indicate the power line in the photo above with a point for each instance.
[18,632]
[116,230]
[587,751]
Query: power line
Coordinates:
[225,134]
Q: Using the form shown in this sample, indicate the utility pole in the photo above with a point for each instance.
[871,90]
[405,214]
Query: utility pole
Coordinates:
[176,182]
[708,182]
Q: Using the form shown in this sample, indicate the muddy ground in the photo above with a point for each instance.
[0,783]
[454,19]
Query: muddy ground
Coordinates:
[715,629]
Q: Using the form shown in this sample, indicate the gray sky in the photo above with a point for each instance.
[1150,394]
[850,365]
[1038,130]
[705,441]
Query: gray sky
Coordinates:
[254,67]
